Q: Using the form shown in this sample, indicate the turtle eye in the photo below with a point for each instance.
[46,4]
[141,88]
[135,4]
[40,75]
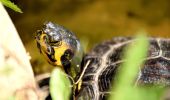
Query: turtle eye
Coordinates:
[55,43]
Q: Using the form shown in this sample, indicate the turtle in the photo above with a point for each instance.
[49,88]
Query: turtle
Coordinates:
[94,71]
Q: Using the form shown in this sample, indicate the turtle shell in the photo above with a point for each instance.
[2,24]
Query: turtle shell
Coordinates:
[105,59]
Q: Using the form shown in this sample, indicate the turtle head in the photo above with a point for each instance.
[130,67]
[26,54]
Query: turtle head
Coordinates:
[60,47]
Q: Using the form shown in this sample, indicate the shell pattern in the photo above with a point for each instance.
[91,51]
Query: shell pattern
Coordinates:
[105,59]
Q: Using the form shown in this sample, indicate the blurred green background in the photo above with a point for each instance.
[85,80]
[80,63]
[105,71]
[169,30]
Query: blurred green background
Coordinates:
[91,20]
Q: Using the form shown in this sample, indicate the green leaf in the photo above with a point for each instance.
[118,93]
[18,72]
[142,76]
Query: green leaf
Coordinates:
[11,5]
[59,85]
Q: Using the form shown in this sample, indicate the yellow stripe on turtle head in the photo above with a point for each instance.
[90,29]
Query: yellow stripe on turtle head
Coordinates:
[59,52]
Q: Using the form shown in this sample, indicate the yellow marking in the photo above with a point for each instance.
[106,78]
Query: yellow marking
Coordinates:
[59,51]
[79,85]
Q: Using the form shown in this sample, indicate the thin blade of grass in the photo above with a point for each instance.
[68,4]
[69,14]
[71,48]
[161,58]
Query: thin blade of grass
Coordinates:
[134,55]
[59,85]
[11,5]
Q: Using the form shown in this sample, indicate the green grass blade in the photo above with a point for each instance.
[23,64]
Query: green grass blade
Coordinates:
[59,85]
[11,5]
[134,55]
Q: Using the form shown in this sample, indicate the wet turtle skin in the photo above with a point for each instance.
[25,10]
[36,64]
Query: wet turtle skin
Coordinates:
[105,59]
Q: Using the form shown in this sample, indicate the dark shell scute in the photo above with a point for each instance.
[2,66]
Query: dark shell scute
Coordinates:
[116,55]
[95,62]
[88,77]
[154,48]
[87,93]
[100,50]
[156,71]
[165,47]
[105,78]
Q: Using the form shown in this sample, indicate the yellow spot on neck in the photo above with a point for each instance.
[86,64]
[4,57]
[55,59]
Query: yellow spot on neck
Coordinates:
[59,51]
